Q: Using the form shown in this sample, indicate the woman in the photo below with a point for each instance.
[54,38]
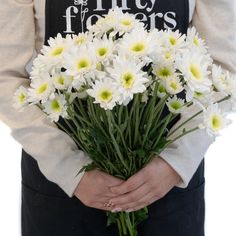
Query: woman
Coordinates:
[57,201]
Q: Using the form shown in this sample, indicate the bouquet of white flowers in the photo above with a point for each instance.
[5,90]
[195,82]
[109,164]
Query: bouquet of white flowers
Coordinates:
[117,90]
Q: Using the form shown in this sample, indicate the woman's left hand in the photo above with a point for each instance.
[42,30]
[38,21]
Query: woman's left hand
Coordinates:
[150,184]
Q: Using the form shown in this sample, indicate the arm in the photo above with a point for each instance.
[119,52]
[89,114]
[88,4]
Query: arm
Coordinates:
[56,153]
[216,23]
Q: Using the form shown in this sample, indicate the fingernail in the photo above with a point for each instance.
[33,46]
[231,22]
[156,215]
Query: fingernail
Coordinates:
[129,210]
[117,209]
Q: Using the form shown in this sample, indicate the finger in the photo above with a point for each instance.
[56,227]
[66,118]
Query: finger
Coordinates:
[134,196]
[131,184]
[110,180]
[144,202]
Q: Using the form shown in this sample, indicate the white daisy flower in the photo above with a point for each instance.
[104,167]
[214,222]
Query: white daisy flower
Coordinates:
[62,81]
[20,98]
[137,44]
[194,67]
[161,90]
[163,70]
[55,51]
[175,104]
[80,64]
[40,89]
[105,94]
[194,41]
[214,120]
[173,40]
[173,85]
[221,79]
[81,38]
[129,77]
[40,66]
[103,48]
[56,107]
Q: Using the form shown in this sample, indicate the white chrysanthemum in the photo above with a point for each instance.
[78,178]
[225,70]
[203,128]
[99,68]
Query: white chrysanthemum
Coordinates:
[56,107]
[214,120]
[221,79]
[55,51]
[194,67]
[20,98]
[105,94]
[175,104]
[127,22]
[40,89]
[80,64]
[103,48]
[173,85]
[163,70]
[161,90]
[137,44]
[81,38]
[62,81]
[40,66]
[193,40]
[173,40]
[129,77]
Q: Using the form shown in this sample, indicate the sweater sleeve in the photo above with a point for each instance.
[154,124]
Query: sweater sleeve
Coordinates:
[56,153]
[216,23]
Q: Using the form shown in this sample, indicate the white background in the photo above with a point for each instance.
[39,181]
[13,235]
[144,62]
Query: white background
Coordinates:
[220,184]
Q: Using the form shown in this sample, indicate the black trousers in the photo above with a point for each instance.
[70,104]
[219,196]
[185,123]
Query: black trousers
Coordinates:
[48,211]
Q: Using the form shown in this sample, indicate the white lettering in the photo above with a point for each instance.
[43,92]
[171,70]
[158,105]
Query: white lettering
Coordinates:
[153,17]
[139,5]
[170,20]
[99,6]
[69,11]
[123,4]
[142,17]
[153,3]
[92,19]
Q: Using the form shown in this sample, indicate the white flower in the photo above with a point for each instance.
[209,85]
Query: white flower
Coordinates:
[40,89]
[105,94]
[81,38]
[175,104]
[40,66]
[194,41]
[103,48]
[56,107]
[129,77]
[173,40]
[20,98]
[80,64]
[62,81]
[161,90]
[163,70]
[54,52]
[173,85]
[194,67]
[221,79]
[137,44]
[214,120]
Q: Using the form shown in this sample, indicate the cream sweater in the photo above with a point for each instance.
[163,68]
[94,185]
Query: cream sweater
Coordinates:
[22,31]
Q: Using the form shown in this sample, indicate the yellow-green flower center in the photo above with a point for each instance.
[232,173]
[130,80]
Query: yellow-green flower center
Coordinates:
[138,47]
[102,52]
[196,41]
[127,80]
[80,40]
[161,89]
[176,105]
[164,72]
[195,71]
[55,105]
[42,88]
[61,80]
[22,97]
[167,55]
[216,122]
[173,41]
[57,51]
[174,86]
[83,63]
[126,22]
[105,95]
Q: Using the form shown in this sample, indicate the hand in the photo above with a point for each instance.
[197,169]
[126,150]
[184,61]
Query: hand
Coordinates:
[94,189]
[145,187]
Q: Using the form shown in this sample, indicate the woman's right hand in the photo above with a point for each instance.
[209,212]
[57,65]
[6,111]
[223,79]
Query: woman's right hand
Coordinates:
[93,189]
